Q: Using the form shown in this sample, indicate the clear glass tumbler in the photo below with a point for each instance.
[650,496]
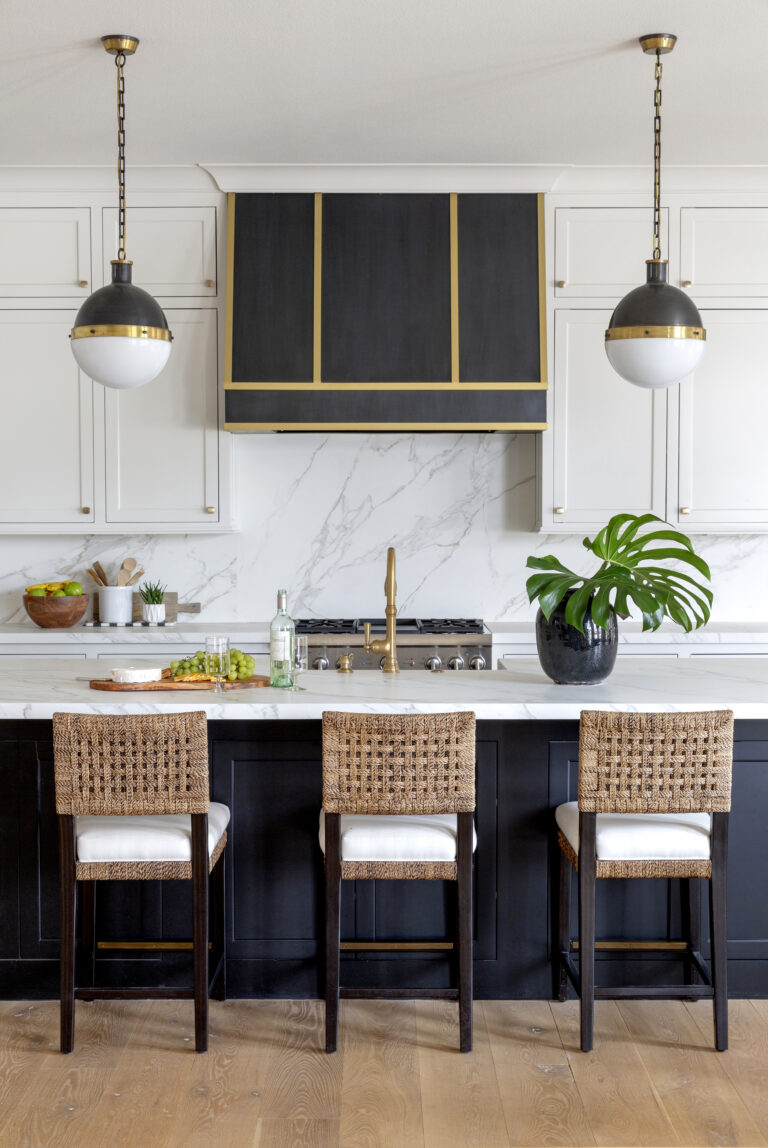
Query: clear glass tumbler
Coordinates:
[217,660]
[300,658]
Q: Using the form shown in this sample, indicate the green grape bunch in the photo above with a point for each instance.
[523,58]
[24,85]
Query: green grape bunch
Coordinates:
[241,666]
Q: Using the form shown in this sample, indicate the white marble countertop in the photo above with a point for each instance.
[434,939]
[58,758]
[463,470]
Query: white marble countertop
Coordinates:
[33,689]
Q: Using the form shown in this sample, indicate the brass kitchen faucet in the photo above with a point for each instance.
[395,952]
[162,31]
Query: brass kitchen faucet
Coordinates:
[388,646]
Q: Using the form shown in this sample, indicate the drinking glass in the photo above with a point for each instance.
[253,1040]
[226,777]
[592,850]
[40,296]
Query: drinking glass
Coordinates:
[217,659]
[300,658]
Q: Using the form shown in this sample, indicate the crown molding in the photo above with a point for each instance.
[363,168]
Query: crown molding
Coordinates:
[553,178]
[190,177]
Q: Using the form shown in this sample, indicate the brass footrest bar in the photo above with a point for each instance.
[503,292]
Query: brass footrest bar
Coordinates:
[395,946]
[132,994]
[635,946]
[655,992]
[151,946]
[399,994]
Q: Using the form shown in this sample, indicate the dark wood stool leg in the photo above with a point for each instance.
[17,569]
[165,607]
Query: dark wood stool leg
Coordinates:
[587,869]
[68,895]
[464,891]
[690,897]
[563,939]
[332,928]
[218,927]
[200,926]
[86,897]
[717,928]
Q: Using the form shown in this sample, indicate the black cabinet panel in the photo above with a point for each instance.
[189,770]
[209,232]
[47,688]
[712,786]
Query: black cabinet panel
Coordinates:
[273,288]
[498,289]
[9,850]
[386,289]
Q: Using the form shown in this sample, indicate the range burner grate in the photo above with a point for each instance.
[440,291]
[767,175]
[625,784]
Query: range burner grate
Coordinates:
[404,625]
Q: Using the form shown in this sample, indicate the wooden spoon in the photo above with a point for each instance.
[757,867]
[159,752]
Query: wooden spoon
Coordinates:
[95,577]
[125,571]
[135,578]
[100,571]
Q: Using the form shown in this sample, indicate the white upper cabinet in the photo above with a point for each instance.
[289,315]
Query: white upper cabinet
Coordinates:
[608,437]
[162,462]
[173,249]
[46,429]
[600,252]
[718,429]
[45,252]
[724,251]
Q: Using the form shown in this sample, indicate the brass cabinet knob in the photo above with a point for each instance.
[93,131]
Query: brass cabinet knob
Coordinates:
[685,510]
[86,510]
[687,283]
[210,510]
[560,283]
[559,510]
[209,283]
[83,283]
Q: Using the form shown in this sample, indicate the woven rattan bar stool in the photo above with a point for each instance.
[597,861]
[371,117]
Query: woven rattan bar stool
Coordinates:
[133,805]
[654,795]
[398,803]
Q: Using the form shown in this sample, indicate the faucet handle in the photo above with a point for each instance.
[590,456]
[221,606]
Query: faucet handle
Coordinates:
[367,635]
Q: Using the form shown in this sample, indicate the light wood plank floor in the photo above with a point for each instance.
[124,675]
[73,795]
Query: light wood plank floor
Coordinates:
[397,1080]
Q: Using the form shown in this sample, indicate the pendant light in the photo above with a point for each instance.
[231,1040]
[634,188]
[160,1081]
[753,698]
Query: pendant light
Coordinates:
[656,336]
[121,336]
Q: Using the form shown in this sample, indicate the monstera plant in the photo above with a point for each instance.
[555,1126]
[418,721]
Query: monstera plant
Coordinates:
[641,563]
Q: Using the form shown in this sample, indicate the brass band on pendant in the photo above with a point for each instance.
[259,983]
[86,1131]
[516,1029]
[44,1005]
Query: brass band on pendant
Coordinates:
[651,332]
[126,330]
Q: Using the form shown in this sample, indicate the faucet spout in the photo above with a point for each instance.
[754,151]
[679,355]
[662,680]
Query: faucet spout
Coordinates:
[388,647]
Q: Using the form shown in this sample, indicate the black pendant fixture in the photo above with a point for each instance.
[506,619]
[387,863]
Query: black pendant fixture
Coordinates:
[121,336]
[656,336]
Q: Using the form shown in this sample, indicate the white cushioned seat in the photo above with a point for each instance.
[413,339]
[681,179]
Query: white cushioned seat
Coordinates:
[401,837]
[641,836]
[160,837]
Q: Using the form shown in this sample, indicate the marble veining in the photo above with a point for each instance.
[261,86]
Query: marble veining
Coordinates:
[520,691]
[318,511]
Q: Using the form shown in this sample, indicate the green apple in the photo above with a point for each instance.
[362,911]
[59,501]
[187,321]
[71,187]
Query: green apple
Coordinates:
[36,592]
[57,594]
[72,589]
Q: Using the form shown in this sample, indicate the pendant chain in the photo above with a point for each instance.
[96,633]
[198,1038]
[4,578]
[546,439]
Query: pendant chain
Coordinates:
[120,64]
[657,161]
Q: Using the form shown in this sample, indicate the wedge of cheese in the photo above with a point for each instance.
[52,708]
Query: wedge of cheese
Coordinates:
[130,674]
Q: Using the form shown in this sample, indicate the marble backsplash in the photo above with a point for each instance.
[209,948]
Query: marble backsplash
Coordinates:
[318,511]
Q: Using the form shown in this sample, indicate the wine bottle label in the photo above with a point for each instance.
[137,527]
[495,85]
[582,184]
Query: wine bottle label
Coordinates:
[280,648]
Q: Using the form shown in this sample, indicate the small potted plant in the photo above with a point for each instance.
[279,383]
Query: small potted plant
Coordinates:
[152,595]
[576,628]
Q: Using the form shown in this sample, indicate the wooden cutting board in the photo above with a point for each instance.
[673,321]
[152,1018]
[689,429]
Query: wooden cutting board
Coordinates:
[168,684]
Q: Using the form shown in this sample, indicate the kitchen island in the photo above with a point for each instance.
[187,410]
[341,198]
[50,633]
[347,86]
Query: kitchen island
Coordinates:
[265,756]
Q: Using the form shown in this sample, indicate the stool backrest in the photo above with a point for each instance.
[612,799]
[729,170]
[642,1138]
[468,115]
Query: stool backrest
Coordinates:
[398,763]
[656,762]
[131,763]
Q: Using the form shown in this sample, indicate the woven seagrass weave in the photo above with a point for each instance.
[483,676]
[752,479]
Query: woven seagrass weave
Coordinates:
[131,764]
[655,762]
[662,867]
[398,763]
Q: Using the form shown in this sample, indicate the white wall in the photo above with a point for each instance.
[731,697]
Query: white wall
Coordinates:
[318,511]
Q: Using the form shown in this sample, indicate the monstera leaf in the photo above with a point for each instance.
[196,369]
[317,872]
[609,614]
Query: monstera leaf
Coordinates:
[639,564]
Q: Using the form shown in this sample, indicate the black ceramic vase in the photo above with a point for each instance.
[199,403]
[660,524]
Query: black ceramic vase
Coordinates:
[571,658]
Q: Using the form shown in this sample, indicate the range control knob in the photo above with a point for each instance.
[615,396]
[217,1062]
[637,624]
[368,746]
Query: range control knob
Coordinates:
[433,663]
[456,662]
[477,662]
[382,660]
[320,663]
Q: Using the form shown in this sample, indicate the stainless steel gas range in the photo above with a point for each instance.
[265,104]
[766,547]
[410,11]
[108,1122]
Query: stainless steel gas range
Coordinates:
[422,643]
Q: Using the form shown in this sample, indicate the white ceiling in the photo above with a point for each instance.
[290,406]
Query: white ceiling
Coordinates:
[398,81]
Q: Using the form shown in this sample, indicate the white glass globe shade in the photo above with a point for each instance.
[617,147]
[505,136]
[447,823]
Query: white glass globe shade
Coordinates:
[121,361]
[654,363]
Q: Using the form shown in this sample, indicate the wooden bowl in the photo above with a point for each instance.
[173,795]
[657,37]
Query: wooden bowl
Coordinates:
[56,613]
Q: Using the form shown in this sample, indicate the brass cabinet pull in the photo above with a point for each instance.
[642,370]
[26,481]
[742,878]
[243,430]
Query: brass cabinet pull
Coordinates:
[210,510]
[559,510]
[560,283]
[209,283]
[83,283]
[687,283]
[685,510]
[86,510]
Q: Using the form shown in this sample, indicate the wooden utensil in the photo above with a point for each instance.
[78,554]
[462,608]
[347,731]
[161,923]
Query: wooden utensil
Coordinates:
[95,577]
[100,571]
[134,579]
[125,571]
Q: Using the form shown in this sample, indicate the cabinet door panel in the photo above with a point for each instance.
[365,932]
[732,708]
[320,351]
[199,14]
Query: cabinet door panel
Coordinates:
[724,251]
[722,481]
[173,248]
[46,432]
[162,439]
[609,436]
[601,251]
[46,252]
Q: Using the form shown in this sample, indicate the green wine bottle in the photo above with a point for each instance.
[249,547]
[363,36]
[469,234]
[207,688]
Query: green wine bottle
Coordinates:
[281,634]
